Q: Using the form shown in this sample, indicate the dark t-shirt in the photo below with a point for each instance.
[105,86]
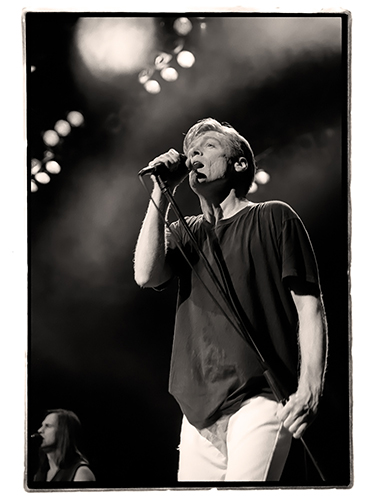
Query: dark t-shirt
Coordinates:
[213,368]
[66,474]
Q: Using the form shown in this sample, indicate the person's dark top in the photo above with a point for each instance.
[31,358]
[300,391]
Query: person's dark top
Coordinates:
[66,474]
[213,369]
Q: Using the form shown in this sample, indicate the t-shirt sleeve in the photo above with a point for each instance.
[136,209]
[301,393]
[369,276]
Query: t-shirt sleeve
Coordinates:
[173,254]
[177,242]
[297,254]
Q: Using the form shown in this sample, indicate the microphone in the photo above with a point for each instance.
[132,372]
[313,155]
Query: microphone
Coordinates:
[36,434]
[158,167]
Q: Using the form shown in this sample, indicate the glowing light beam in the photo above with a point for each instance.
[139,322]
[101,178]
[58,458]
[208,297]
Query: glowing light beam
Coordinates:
[110,46]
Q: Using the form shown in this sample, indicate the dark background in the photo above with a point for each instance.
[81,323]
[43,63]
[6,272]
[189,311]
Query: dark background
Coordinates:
[99,345]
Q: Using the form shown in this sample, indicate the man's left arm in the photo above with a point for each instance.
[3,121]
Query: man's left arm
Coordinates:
[302,406]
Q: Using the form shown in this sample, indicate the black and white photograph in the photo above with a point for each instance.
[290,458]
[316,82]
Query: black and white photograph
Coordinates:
[188,250]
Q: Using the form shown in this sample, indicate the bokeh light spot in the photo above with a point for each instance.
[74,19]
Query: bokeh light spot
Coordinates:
[185,59]
[169,74]
[153,87]
[63,128]
[178,48]
[145,75]
[75,118]
[51,138]
[162,60]
[262,177]
[36,165]
[42,177]
[53,167]
[182,26]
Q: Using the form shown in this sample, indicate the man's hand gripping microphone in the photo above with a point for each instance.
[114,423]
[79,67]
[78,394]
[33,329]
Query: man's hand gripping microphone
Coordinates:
[171,167]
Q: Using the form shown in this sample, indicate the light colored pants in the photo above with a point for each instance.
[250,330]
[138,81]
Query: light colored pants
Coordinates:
[249,445]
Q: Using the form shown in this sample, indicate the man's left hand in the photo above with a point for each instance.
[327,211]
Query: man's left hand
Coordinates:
[298,412]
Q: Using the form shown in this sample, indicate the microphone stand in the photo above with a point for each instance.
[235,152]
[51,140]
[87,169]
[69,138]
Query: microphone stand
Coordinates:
[275,386]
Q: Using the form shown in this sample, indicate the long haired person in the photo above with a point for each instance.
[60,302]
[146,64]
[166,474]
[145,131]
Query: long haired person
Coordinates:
[60,458]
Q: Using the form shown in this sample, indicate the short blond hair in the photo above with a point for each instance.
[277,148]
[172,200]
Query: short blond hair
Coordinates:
[239,147]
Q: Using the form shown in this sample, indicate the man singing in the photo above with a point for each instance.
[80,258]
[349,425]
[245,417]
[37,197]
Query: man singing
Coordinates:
[233,427]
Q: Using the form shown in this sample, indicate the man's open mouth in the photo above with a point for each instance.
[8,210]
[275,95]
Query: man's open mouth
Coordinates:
[197,164]
[199,175]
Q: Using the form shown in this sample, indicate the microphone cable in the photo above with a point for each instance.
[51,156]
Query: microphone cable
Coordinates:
[199,251]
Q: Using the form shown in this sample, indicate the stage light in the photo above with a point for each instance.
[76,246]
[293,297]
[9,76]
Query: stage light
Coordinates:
[42,177]
[178,48]
[169,74]
[32,68]
[75,118]
[185,59]
[145,75]
[53,167]
[152,86]
[262,177]
[48,155]
[110,46]
[162,60]
[62,127]
[202,24]
[36,165]
[34,186]
[182,26]
[253,188]
[51,138]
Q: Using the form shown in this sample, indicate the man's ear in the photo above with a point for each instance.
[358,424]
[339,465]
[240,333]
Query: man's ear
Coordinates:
[241,164]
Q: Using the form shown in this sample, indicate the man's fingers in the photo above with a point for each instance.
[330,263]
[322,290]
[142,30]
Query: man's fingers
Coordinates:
[298,433]
[169,158]
[284,411]
[295,421]
[293,424]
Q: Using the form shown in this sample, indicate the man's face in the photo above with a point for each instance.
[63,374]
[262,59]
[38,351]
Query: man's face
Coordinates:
[208,156]
[48,431]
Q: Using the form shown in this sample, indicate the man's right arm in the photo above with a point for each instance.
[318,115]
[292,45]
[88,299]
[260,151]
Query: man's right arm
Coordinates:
[151,268]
